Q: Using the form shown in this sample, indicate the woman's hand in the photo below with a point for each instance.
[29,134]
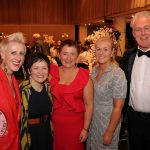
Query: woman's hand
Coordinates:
[83,135]
[107,137]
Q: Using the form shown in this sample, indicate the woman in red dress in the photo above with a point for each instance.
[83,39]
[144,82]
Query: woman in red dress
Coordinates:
[72,94]
[12,52]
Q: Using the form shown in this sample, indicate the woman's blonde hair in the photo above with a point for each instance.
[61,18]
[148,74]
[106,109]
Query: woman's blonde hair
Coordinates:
[15,37]
[106,38]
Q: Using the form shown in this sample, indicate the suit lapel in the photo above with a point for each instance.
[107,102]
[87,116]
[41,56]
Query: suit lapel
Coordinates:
[130,64]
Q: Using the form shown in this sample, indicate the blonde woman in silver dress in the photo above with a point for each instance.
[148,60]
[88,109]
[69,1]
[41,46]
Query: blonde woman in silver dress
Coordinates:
[109,94]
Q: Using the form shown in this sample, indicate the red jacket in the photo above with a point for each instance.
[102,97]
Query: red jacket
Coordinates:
[9,113]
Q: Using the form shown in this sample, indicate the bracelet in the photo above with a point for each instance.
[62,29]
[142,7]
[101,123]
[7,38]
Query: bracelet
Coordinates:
[86,129]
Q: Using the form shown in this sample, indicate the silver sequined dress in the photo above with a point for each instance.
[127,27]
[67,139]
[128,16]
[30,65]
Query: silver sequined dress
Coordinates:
[111,85]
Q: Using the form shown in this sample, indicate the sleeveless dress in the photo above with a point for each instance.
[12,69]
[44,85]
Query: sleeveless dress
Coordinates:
[68,110]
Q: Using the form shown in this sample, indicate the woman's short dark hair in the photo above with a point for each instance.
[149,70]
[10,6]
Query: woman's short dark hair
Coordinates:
[70,43]
[35,57]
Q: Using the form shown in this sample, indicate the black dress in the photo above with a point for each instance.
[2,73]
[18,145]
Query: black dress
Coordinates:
[41,134]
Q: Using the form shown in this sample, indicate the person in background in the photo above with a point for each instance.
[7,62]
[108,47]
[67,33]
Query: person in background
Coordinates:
[136,64]
[53,56]
[72,94]
[109,94]
[83,57]
[12,52]
[36,131]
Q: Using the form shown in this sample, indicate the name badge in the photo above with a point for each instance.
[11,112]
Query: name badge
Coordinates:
[3,123]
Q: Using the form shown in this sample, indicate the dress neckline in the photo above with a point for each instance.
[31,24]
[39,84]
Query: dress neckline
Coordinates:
[71,81]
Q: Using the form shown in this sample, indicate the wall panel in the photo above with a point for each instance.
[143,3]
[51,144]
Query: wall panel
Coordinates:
[64,11]
[29,29]
[9,11]
[88,10]
[35,11]
[52,16]
[91,10]
[125,7]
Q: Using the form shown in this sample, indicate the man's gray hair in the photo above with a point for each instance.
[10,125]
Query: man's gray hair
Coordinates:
[138,15]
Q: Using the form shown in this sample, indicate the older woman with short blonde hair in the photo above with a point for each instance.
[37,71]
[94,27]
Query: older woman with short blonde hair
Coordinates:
[12,52]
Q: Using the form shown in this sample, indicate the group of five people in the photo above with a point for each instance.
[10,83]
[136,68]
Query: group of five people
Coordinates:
[61,107]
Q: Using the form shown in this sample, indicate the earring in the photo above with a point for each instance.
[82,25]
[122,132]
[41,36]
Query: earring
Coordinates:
[30,77]
[5,69]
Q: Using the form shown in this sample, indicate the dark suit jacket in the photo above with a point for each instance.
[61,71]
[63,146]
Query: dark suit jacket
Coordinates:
[127,64]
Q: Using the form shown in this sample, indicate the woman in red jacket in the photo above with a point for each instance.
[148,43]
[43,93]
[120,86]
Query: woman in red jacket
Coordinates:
[12,52]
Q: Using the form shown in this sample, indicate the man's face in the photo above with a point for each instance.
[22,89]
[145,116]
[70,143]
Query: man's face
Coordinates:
[141,32]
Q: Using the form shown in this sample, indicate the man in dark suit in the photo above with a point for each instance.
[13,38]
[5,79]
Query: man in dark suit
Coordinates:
[136,64]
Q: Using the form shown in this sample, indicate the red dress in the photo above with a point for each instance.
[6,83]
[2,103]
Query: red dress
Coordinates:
[68,110]
[9,114]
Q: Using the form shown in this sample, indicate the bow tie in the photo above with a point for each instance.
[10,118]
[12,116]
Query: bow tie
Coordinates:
[140,53]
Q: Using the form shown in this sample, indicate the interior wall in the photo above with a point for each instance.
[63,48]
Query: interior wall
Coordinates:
[65,11]
[35,11]
[87,11]
[55,30]
[84,11]
[55,16]
[82,33]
